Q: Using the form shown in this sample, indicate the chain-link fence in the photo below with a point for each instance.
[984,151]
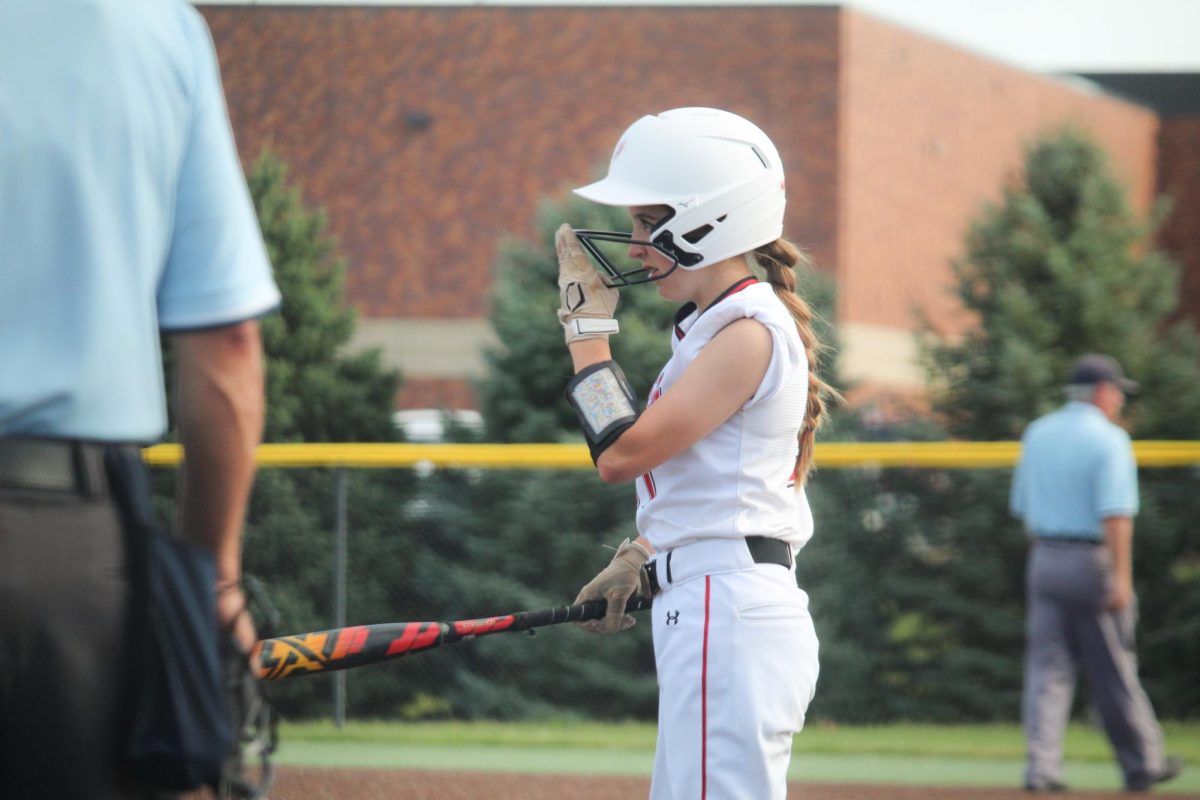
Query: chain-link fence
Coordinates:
[915,577]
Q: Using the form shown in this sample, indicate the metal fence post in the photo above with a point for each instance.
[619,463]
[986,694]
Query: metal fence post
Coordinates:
[339,588]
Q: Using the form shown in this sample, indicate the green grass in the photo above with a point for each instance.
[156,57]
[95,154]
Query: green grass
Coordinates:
[1083,742]
[967,755]
[566,734]
[934,741]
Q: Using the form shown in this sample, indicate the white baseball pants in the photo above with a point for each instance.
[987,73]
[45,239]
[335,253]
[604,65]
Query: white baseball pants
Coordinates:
[736,654]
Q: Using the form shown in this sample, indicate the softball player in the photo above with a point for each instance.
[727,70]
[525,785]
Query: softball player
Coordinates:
[721,451]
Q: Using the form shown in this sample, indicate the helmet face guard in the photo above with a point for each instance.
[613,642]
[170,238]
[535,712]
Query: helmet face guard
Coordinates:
[663,242]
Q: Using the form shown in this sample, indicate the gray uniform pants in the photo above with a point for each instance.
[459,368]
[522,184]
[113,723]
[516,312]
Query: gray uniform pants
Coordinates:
[1067,626]
[64,603]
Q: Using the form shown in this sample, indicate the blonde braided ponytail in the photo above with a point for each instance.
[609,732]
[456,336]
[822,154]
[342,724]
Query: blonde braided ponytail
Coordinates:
[779,260]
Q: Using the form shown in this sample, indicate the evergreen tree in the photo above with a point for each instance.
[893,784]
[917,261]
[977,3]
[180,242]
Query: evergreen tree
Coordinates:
[1062,267]
[1058,268]
[873,571]
[314,393]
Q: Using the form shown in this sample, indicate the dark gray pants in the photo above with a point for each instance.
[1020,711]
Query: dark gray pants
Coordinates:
[64,613]
[1067,626]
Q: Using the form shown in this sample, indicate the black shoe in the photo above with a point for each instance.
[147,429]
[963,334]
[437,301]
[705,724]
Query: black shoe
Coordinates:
[1046,787]
[1170,770]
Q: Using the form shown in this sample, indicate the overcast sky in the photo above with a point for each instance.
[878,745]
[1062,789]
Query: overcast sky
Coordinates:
[1061,35]
[1042,35]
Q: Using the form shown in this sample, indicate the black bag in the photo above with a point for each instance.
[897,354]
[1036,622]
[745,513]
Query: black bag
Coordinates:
[180,731]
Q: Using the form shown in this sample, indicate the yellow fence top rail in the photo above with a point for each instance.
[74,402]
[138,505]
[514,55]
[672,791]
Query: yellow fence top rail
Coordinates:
[831,455]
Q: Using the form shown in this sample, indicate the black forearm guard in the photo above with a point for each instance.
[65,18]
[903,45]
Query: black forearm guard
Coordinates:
[605,402]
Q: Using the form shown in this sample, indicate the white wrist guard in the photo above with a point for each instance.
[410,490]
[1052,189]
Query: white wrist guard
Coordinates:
[605,402]
[583,326]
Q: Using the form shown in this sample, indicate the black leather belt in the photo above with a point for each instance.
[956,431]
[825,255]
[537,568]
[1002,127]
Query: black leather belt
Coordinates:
[53,465]
[1088,540]
[763,550]
[652,573]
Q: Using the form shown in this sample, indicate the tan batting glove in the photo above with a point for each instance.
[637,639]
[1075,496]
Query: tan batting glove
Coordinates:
[616,583]
[586,305]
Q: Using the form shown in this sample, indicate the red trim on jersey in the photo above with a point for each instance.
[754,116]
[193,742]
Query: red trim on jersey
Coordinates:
[749,280]
[656,392]
[737,287]
[647,478]
[704,696]
[685,311]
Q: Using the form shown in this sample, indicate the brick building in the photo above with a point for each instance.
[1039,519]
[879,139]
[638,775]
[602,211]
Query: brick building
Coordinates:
[1175,98]
[428,132]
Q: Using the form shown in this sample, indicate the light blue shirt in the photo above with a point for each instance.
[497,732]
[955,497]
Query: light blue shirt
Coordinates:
[1076,469]
[123,211]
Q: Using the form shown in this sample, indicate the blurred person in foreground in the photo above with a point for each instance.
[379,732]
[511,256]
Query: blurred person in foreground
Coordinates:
[1075,488]
[123,212]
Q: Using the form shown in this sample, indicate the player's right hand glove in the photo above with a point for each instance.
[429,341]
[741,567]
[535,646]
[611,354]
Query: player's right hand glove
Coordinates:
[616,583]
[586,305]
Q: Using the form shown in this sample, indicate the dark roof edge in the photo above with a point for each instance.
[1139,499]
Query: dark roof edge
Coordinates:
[1171,94]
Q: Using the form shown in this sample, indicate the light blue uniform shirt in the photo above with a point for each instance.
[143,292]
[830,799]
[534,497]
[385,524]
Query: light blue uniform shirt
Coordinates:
[123,211]
[1076,469]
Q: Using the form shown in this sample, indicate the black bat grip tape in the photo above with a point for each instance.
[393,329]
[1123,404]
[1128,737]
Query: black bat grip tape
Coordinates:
[596,609]
[593,609]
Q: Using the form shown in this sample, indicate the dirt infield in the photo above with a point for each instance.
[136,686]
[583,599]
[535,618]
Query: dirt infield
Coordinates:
[314,783]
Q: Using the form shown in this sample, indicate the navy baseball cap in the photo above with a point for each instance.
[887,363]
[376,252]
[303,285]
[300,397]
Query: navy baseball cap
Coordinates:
[1099,368]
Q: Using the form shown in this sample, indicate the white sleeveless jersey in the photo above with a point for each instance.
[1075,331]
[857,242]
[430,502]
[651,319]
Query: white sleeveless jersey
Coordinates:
[740,479]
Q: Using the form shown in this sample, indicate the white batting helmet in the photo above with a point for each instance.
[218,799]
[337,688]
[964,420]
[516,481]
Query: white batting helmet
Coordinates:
[719,174]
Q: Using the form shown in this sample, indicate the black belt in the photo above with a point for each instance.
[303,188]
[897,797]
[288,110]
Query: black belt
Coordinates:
[763,550]
[54,465]
[1091,540]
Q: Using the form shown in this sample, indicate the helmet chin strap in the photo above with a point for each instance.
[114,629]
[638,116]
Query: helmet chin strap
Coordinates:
[665,243]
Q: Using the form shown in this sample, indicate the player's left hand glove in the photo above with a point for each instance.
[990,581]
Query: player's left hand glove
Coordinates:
[586,305]
[616,583]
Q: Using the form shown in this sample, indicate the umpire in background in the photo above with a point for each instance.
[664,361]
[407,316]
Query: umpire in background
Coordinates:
[1075,488]
[123,211]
